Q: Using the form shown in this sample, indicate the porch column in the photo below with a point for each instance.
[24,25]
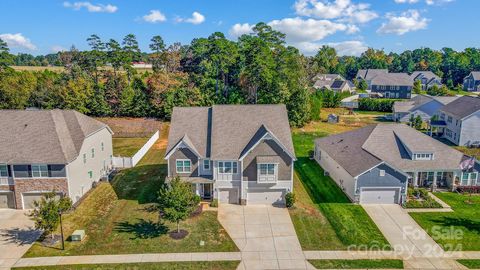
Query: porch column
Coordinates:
[415,179]
[197,189]
[434,184]
[454,176]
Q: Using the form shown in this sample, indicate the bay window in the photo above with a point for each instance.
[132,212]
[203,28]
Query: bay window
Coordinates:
[39,170]
[183,165]
[227,167]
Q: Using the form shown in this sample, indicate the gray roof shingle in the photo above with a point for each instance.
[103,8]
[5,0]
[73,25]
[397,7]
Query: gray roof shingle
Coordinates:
[225,131]
[462,106]
[397,79]
[43,136]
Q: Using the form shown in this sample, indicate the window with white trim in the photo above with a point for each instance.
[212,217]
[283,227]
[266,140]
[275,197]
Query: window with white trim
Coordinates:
[382,172]
[267,172]
[206,164]
[469,178]
[84,158]
[93,152]
[39,170]
[3,170]
[183,165]
[227,167]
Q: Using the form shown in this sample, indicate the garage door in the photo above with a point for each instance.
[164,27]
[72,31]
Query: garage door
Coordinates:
[379,195]
[29,198]
[266,196]
[228,195]
[7,200]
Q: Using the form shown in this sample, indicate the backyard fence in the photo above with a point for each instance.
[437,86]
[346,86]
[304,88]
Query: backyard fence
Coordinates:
[129,162]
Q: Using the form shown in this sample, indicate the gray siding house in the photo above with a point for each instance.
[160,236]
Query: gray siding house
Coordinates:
[472,82]
[50,150]
[424,106]
[389,85]
[377,163]
[459,121]
[427,78]
[234,153]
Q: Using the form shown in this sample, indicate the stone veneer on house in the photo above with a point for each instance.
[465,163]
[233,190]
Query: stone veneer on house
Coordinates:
[42,184]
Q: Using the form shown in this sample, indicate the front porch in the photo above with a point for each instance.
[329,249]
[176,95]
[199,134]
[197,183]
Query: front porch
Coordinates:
[436,180]
[201,185]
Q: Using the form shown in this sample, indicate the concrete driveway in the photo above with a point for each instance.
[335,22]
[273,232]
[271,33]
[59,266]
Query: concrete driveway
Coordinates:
[406,236]
[265,236]
[16,236]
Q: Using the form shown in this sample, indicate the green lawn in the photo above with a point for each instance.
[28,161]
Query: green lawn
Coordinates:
[357,264]
[324,217]
[454,230]
[127,147]
[470,264]
[220,265]
[120,218]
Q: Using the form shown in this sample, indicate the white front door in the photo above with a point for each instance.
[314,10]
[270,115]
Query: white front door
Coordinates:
[266,196]
[379,196]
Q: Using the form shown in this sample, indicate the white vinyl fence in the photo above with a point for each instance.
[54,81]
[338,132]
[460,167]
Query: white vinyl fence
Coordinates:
[129,162]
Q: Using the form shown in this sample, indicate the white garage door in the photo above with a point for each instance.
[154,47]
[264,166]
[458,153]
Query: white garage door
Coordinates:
[29,198]
[379,196]
[228,195]
[266,196]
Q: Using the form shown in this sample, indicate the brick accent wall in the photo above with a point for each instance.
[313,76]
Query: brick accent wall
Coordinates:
[6,188]
[33,184]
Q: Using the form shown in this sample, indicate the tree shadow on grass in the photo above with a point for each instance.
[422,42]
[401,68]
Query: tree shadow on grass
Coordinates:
[143,229]
[471,225]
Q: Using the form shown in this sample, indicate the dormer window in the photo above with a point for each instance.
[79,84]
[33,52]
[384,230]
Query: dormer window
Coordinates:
[423,156]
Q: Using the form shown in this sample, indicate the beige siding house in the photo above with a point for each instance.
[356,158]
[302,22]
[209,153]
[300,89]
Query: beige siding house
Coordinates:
[234,153]
[50,150]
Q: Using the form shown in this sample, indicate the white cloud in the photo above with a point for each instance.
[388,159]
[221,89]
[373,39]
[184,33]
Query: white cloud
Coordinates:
[197,18]
[406,1]
[58,48]
[155,16]
[301,30]
[91,7]
[240,29]
[18,41]
[406,22]
[353,47]
[437,2]
[343,10]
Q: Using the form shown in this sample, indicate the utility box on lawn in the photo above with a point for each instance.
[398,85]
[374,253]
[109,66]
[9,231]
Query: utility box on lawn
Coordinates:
[78,235]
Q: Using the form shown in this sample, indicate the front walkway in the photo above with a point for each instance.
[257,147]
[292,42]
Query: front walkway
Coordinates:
[16,236]
[265,236]
[404,234]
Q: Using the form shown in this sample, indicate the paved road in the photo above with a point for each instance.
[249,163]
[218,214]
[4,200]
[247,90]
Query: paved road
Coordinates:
[265,236]
[16,236]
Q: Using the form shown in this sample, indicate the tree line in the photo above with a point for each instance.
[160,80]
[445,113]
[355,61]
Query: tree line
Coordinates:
[258,68]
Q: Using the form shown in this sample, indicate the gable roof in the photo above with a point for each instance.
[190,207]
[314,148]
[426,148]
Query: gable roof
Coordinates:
[368,74]
[475,75]
[227,131]
[364,148]
[418,101]
[397,79]
[463,106]
[44,136]
[429,75]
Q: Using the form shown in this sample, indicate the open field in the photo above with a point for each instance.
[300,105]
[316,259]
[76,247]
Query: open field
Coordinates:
[357,264]
[458,230]
[121,218]
[127,127]
[216,265]
[324,218]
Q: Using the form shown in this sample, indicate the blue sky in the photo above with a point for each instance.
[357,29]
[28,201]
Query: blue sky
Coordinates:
[40,27]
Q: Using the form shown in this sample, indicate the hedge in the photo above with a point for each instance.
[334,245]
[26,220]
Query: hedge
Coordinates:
[376,104]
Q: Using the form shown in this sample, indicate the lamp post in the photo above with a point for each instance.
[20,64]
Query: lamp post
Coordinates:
[61,229]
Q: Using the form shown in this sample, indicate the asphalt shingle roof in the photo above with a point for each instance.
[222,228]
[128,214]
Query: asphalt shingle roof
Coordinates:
[43,136]
[462,106]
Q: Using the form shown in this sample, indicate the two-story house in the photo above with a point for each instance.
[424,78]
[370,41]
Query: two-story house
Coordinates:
[388,85]
[427,78]
[377,163]
[459,121]
[235,153]
[50,150]
[471,83]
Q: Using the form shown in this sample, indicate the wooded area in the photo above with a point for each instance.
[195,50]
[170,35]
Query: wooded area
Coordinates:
[258,68]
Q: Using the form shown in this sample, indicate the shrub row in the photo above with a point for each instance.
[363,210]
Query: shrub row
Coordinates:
[468,189]
[376,104]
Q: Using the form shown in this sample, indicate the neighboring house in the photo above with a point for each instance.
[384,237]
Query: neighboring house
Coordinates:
[389,85]
[141,65]
[46,150]
[427,78]
[472,82]
[423,105]
[333,82]
[375,164]
[459,121]
[234,153]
